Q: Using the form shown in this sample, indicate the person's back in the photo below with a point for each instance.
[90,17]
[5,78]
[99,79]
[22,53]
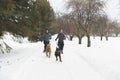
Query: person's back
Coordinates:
[46,37]
[61,37]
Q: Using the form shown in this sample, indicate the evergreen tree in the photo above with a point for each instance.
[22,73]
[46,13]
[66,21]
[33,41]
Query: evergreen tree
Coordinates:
[27,18]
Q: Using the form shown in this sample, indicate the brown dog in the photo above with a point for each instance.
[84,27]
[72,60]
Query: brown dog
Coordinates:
[48,50]
[58,54]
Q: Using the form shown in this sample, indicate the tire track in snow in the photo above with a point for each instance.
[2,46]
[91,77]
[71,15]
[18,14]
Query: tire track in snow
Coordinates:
[91,65]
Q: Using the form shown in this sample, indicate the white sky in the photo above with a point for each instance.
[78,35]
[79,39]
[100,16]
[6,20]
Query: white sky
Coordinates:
[112,8]
[58,5]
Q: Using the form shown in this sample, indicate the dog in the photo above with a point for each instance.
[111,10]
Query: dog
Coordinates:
[58,54]
[48,50]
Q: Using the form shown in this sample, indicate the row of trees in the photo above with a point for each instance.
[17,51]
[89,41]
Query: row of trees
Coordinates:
[86,18]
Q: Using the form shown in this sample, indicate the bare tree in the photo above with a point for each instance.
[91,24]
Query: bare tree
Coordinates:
[85,13]
[102,26]
[114,28]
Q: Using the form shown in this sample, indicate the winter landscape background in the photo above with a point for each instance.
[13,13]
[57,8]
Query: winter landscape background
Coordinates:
[23,22]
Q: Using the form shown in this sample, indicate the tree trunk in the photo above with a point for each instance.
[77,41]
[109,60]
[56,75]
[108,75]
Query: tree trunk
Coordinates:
[80,40]
[116,34]
[88,41]
[101,37]
[106,38]
[71,37]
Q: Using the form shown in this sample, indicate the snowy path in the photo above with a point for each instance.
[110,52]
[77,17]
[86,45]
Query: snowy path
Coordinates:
[39,67]
[28,62]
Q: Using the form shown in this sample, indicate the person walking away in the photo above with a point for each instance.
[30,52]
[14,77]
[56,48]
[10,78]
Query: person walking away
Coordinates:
[46,39]
[61,37]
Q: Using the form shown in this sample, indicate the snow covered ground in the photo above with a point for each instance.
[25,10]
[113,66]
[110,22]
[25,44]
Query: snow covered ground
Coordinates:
[28,62]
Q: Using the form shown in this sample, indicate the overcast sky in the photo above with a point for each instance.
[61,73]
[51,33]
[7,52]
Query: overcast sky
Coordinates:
[112,8]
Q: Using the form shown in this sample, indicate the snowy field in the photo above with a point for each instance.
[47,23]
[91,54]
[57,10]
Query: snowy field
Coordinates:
[28,62]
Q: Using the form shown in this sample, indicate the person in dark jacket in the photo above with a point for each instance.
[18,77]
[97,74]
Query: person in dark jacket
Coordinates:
[46,39]
[61,37]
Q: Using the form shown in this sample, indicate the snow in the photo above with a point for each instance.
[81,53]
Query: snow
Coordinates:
[28,62]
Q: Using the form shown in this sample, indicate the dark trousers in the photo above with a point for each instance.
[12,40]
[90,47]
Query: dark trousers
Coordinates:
[61,45]
[45,45]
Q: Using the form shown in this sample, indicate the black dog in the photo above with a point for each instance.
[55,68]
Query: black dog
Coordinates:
[58,54]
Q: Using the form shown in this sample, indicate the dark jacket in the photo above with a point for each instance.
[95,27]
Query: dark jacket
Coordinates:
[61,37]
[46,36]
